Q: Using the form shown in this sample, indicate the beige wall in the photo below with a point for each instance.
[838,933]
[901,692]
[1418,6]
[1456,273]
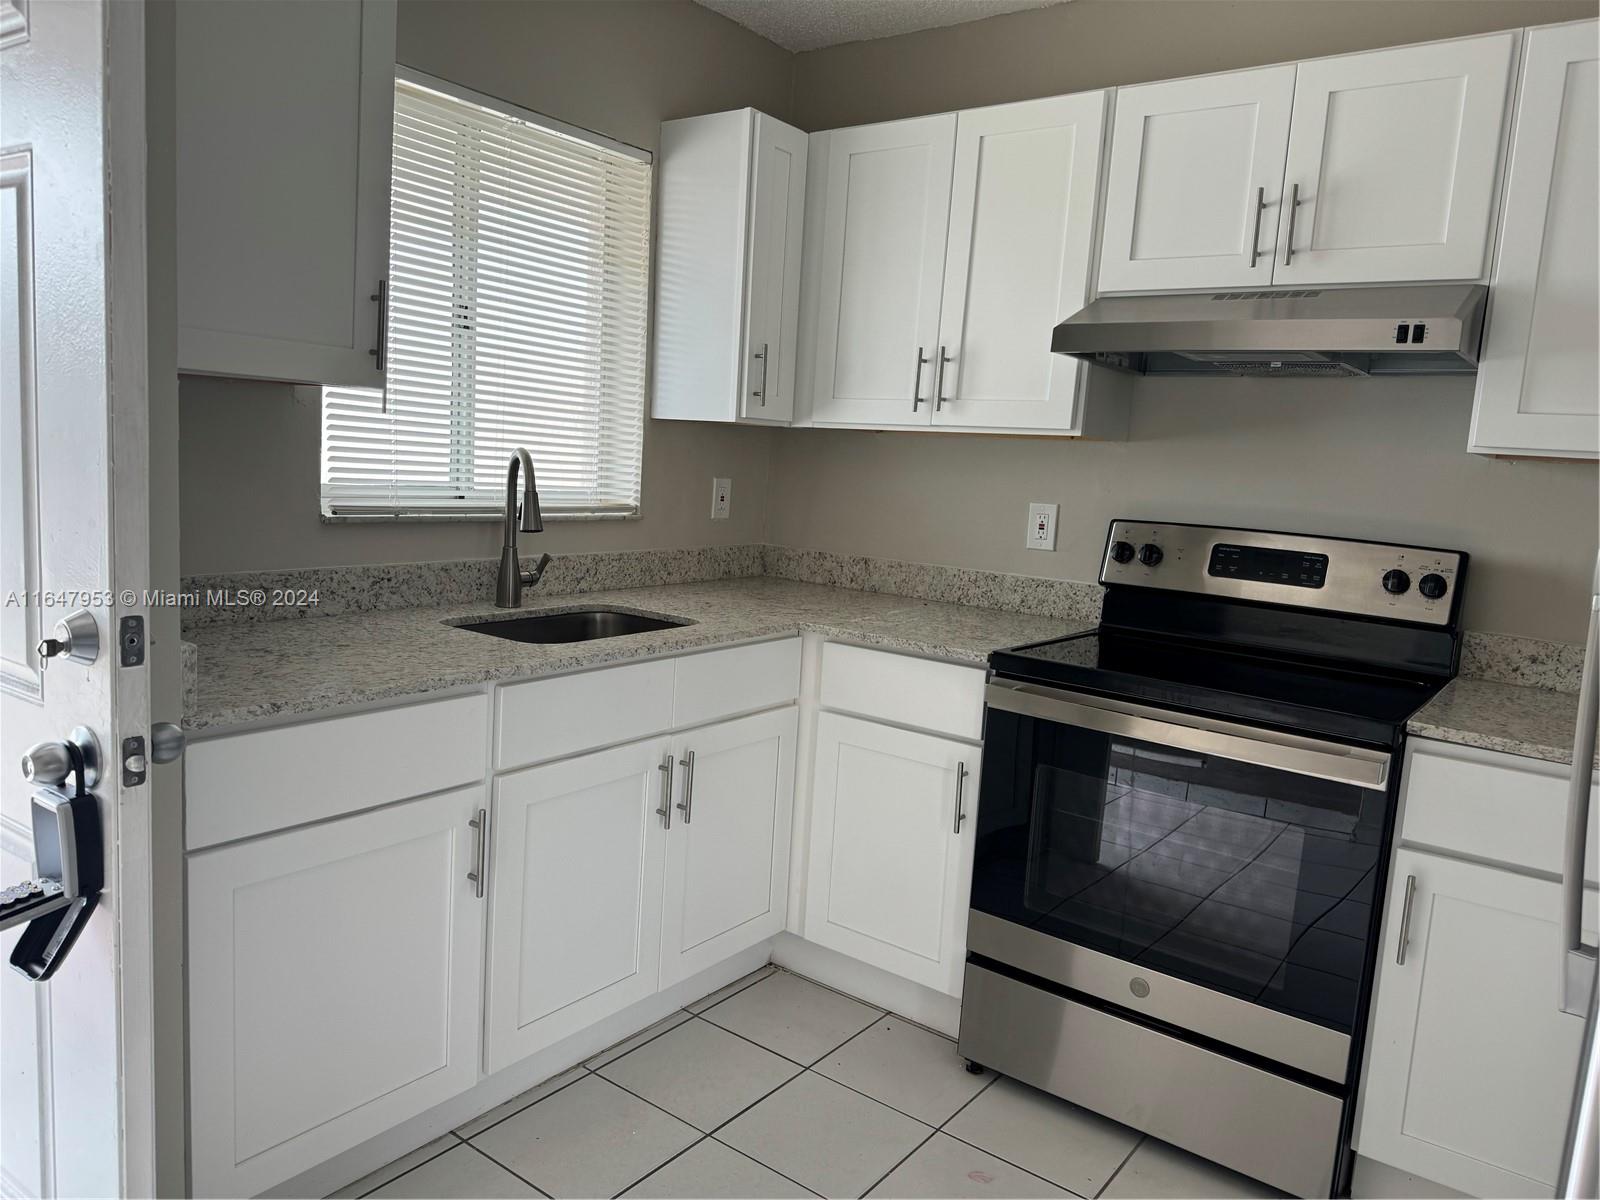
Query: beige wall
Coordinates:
[1363,458]
[249,450]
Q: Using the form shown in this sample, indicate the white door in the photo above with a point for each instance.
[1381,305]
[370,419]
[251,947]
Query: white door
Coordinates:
[886,207]
[76,1105]
[727,879]
[1537,378]
[1195,179]
[892,831]
[335,977]
[283,188]
[577,849]
[772,295]
[1471,1061]
[1393,156]
[1017,261]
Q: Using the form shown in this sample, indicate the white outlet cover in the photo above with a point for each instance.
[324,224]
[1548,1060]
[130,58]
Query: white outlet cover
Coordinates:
[1042,526]
[721,498]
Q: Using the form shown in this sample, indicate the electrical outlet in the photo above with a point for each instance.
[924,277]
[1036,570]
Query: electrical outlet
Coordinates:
[721,497]
[1041,527]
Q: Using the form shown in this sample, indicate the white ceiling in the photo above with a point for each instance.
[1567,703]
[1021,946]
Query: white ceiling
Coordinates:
[811,24]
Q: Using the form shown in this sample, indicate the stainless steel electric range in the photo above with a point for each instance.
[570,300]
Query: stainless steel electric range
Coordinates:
[1183,831]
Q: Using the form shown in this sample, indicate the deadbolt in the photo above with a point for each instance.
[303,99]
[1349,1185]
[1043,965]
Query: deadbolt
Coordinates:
[76,636]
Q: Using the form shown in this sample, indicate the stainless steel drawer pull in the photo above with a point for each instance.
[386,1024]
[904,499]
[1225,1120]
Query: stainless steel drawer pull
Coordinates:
[761,393]
[665,811]
[480,849]
[1405,922]
[916,383]
[1255,237]
[686,805]
[961,786]
[1288,242]
[938,379]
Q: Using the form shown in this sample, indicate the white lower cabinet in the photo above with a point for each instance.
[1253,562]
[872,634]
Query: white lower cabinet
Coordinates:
[892,833]
[727,873]
[574,895]
[334,986]
[1471,1061]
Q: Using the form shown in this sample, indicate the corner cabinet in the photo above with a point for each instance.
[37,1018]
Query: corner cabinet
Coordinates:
[731,192]
[283,188]
[1537,378]
[334,980]
[892,837]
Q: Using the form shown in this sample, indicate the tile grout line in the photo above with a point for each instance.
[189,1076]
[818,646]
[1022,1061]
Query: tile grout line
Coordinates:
[932,1133]
[577,1066]
[663,1166]
[1143,1138]
[759,1163]
[410,1169]
[509,1170]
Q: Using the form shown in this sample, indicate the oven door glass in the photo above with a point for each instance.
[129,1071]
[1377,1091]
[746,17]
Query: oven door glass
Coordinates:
[1248,879]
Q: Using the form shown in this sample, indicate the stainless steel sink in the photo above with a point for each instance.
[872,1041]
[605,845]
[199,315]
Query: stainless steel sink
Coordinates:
[583,626]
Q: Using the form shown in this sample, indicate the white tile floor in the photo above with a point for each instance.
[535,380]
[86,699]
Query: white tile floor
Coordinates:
[776,1086]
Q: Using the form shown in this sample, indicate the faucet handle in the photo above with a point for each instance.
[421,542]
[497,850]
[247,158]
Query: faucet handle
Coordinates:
[529,578]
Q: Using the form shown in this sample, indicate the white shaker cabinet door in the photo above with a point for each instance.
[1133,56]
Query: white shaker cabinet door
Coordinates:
[1393,159]
[1017,261]
[574,895]
[1195,181]
[1537,379]
[892,833]
[727,880]
[284,130]
[334,987]
[772,295]
[1470,1061]
[881,259]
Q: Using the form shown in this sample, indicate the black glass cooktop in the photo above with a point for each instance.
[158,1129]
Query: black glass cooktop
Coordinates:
[1297,694]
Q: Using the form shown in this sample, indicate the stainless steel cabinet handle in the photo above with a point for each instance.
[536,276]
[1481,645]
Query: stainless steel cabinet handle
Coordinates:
[938,380]
[381,350]
[916,385]
[761,393]
[1255,237]
[1294,208]
[1405,922]
[686,805]
[665,811]
[961,786]
[479,825]
[1577,959]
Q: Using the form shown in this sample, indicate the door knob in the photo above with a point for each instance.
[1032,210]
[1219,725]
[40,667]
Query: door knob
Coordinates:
[166,742]
[51,764]
[76,635]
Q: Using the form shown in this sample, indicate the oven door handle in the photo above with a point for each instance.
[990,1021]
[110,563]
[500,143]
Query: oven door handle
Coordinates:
[1280,751]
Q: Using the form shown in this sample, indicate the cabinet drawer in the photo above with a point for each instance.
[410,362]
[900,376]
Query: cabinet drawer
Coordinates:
[744,679]
[550,718]
[939,697]
[1491,806]
[252,783]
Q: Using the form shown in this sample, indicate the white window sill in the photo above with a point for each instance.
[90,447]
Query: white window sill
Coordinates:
[472,518]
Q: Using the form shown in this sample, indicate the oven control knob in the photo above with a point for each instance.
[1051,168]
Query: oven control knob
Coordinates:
[1396,582]
[1150,554]
[1433,586]
[1121,552]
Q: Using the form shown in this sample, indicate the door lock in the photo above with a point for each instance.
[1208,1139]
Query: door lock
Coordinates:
[76,635]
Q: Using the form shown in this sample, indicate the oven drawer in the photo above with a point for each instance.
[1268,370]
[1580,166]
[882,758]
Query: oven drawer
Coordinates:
[1268,1127]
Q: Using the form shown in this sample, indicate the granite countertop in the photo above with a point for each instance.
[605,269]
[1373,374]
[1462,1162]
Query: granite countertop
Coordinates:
[1533,722]
[254,671]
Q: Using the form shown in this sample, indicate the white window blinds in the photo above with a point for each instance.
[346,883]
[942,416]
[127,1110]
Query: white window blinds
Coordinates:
[518,294]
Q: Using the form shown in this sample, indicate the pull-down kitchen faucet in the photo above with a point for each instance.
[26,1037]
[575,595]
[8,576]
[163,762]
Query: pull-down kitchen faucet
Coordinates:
[512,579]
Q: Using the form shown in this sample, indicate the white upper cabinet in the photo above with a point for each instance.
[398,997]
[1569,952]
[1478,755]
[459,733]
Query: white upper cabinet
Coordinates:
[1393,156]
[732,202]
[880,271]
[1017,261]
[1195,181]
[1537,380]
[285,117]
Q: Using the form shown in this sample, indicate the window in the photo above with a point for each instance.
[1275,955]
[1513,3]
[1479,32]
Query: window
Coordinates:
[518,293]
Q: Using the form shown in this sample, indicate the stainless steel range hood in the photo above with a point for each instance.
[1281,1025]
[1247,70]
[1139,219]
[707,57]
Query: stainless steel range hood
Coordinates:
[1430,329]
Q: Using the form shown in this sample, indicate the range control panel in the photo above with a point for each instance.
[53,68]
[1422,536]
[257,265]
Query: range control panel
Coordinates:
[1375,579]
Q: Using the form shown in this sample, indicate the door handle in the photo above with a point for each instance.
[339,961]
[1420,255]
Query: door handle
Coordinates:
[916,383]
[665,811]
[1405,922]
[1288,242]
[938,379]
[1255,236]
[480,850]
[761,395]
[686,805]
[961,785]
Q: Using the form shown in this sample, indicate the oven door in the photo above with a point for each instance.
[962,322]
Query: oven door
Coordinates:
[1119,846]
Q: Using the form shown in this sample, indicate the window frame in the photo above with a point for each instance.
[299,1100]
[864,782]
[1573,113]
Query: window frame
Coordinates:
[330,508]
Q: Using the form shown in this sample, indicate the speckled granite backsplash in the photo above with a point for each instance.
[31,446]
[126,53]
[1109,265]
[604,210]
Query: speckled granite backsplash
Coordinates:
[1526,662]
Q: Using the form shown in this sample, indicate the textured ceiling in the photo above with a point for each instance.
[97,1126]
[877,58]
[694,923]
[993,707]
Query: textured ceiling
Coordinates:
[811,24]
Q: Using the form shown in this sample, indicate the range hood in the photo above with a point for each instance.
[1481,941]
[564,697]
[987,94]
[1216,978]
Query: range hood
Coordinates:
[1428,329]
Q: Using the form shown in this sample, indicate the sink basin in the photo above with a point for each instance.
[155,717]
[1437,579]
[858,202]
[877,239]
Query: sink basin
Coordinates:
[583,626]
